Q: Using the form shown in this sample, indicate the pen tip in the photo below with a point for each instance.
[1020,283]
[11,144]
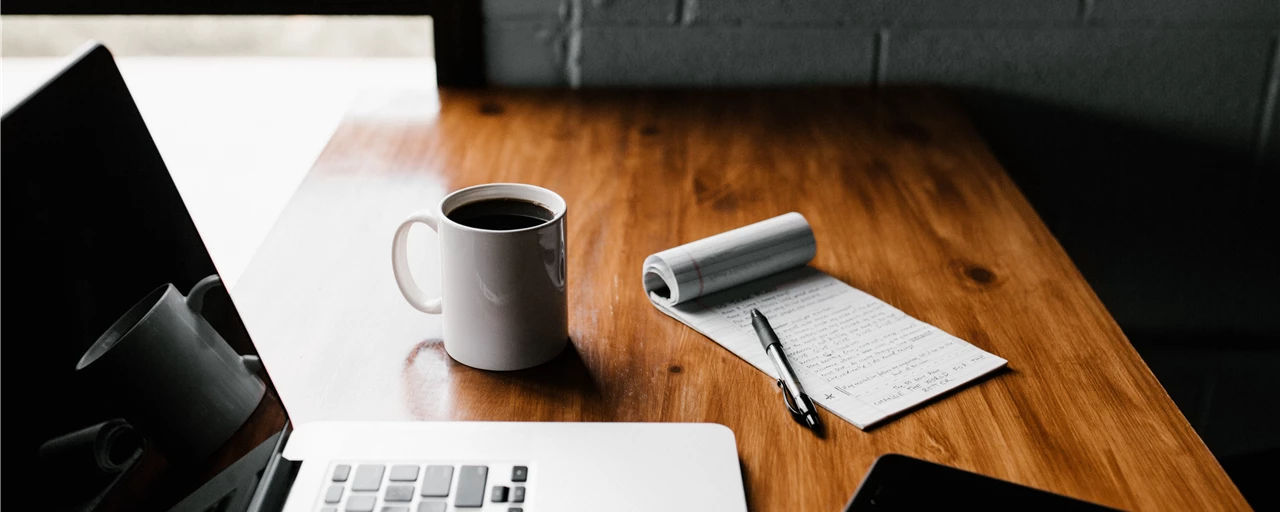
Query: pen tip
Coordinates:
[755,312]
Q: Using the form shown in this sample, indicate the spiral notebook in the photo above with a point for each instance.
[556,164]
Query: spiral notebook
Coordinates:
[857,356]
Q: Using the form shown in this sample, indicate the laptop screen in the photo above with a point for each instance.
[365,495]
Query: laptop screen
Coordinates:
[126,385]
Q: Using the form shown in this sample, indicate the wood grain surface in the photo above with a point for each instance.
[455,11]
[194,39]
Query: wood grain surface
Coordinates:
[907,204]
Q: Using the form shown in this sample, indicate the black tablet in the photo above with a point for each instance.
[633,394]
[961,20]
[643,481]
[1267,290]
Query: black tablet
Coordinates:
[898,482]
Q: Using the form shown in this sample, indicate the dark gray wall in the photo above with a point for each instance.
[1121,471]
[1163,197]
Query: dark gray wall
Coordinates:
[1205,70]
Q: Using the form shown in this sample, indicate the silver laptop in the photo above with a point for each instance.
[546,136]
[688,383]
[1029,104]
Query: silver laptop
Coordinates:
[92,223]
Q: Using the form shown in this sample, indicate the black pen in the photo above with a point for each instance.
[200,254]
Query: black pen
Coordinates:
[792,394]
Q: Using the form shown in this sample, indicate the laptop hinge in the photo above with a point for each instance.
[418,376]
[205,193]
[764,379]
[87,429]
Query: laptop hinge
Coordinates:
[277,478]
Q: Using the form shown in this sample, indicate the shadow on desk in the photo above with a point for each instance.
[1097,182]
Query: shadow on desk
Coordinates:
[1171,233]
[429,376]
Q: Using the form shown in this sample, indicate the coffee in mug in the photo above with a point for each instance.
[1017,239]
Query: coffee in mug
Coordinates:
[501,214]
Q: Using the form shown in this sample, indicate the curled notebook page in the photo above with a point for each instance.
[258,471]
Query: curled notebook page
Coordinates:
[860,358]
[729,259]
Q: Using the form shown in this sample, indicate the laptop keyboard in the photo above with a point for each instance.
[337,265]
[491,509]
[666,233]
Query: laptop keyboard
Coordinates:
[425,487]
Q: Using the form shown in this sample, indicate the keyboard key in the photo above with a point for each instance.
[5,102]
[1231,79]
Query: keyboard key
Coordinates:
[395,509]
[471,481]
[519,473]
[431,506]
[437,481]
[499,494]
[517,495]
[399,493]
[334,494]
[368,478]
[340,473]
[515,509]
[329,509]
[404,473]
[361,503]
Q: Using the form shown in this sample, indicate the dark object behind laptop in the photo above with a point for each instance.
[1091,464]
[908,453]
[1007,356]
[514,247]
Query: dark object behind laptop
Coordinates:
[898,482]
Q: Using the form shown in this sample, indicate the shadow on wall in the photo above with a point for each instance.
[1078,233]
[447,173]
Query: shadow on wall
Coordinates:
[1179,240]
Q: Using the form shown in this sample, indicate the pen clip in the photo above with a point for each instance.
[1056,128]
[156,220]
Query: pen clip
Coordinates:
[787,399]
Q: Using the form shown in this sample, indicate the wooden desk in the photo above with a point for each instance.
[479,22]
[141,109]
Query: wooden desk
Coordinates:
[907,204]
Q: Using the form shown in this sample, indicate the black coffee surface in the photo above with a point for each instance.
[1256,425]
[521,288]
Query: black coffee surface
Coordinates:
[500,214]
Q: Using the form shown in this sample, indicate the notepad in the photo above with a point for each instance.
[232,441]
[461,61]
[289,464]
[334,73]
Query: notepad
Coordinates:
[857,356]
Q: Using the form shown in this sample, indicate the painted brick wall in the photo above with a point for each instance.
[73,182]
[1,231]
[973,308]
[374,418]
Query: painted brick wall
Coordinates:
[1204,70]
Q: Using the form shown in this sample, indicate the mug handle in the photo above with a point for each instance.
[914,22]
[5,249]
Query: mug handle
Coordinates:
[400,263]
[195,301]
[195,298]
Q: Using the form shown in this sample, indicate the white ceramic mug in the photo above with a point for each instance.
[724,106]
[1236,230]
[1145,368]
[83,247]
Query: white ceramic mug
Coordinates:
[503,294]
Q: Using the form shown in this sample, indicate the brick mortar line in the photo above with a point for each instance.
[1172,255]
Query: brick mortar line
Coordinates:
[1010,25]
[1086,11]
[531,18]
[879,56]
[573,44]
[1270,96]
